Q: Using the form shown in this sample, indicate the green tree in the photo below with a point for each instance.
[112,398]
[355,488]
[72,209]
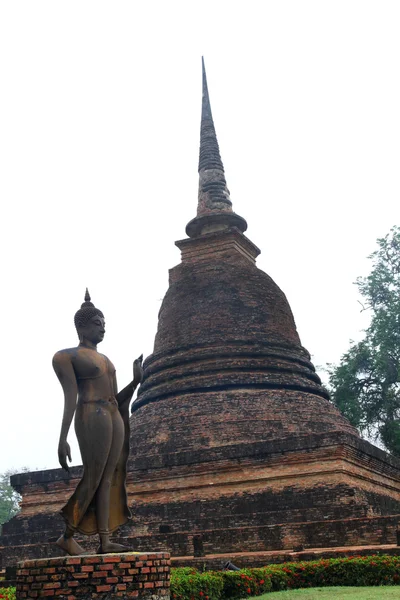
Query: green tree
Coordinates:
[9,499]
[366,384]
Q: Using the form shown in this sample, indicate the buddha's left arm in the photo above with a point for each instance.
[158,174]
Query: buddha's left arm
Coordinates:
[125,396]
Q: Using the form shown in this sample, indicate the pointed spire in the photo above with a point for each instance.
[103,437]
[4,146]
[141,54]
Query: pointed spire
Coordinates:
[210,157]
[214,209]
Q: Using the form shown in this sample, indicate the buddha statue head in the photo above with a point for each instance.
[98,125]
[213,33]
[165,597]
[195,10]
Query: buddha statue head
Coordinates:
[89,321]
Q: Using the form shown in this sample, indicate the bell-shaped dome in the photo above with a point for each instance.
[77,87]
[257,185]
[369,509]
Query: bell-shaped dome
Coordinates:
[228,366]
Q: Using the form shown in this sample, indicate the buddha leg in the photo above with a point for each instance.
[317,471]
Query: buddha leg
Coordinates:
[103,507]
[68,544]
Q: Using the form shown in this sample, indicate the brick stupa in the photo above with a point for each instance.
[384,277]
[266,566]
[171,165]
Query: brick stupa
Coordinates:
[235,445]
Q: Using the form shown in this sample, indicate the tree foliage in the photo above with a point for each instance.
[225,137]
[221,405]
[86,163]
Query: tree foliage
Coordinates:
[9,499]
[366,384]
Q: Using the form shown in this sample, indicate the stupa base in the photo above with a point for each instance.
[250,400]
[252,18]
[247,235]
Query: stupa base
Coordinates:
[244,560]
[103,576]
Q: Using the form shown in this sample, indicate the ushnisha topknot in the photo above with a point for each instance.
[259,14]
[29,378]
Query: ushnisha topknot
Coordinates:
[86,312]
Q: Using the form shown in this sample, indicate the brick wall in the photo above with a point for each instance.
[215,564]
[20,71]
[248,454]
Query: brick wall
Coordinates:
[98,576]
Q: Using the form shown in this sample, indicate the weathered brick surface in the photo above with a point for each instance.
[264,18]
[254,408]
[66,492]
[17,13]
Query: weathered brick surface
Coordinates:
[311,492]
[105,577]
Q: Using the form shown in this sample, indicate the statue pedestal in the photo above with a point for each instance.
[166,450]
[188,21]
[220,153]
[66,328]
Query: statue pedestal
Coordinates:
[103,576]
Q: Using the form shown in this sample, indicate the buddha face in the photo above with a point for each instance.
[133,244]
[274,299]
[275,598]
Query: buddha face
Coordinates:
[94,330]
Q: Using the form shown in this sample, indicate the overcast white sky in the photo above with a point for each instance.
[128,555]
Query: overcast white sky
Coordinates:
[99,132]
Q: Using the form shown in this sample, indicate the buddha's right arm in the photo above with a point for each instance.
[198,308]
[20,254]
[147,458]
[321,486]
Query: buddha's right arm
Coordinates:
[65,372]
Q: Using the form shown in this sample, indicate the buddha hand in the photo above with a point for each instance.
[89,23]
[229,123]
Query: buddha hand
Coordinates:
[137,371]
[64,451]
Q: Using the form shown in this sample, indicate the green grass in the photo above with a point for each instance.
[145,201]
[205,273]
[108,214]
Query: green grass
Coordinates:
[335,593]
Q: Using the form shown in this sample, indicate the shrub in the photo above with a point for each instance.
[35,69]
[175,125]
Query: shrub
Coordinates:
[189,584]
[278,577]
[8,593]
[247,582]
[353,571]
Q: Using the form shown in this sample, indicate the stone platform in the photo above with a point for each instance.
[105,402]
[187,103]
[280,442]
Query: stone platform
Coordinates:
[106,576]
[244,560]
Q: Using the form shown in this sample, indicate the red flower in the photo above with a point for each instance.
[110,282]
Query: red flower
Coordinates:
[248,590]
[201,594]
[261,581]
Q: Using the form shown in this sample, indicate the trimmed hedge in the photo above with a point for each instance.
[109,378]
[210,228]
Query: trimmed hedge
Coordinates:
[189,584]
[8,593]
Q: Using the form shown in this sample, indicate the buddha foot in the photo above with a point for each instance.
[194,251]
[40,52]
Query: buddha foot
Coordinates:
[70,546]
[109,547]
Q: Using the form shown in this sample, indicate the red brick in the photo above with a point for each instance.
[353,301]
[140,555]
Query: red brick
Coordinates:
[131,557]
[149,584]
[111,558]
[57,562]
[73,561]
[91,560]
[105,567]
[87,568]
[103,588]
[52,585]
[112,579]
[41,563]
